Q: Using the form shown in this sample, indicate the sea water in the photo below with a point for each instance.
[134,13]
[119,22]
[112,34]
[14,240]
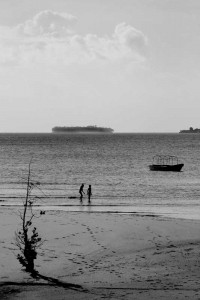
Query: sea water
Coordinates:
[116,165]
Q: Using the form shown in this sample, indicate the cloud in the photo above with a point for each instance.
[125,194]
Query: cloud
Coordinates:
[47,23]
[48,38]
[131,37]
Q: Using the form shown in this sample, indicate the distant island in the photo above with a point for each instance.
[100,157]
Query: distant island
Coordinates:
[190,130]
[80,129]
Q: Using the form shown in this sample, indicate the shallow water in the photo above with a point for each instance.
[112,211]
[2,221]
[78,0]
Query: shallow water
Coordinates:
[115,165]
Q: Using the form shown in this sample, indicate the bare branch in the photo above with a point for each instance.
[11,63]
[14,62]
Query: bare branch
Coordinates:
[27,240]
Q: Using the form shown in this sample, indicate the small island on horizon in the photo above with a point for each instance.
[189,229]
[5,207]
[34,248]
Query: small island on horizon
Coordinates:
[190,130]
[82,129]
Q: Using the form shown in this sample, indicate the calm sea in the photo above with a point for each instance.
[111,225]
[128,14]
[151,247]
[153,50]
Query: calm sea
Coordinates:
[115,165]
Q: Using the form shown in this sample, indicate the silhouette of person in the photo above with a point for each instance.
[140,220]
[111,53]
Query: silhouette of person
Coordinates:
[89,192]
[81,192]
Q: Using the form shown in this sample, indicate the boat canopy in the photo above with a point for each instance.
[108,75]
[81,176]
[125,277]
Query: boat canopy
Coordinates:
[165,160]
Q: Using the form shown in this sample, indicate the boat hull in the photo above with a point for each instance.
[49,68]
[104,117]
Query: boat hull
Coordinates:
[172,168]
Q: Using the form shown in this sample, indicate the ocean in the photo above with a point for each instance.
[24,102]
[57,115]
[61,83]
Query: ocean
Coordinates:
[116,165]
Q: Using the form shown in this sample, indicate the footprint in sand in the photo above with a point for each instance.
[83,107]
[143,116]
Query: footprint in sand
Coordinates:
[171,246]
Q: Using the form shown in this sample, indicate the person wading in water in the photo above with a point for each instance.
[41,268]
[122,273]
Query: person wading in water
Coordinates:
[89,192]
[81,192]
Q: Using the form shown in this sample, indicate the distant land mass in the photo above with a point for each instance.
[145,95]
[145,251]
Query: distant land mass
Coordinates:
[190,130]
[80,129]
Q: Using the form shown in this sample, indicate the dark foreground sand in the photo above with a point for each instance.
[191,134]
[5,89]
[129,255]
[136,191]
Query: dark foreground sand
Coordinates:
[104,256]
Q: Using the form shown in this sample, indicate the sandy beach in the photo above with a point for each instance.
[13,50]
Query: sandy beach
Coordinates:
[103,256]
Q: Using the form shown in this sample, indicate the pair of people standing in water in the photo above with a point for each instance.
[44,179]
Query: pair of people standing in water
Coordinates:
[89,192]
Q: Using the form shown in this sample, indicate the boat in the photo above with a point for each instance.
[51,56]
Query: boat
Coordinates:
[166,163]
[79,129]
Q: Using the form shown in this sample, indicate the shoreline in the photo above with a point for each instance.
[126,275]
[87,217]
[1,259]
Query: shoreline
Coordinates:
[109,255]
[182,213]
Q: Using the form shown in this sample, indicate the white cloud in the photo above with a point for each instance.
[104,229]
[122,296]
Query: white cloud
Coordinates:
[48,39]
[47,23]
[131,37]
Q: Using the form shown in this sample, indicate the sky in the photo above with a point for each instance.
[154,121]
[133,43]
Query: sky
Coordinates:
[132,65]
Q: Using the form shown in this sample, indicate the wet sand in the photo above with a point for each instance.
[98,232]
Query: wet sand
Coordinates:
[108,256]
